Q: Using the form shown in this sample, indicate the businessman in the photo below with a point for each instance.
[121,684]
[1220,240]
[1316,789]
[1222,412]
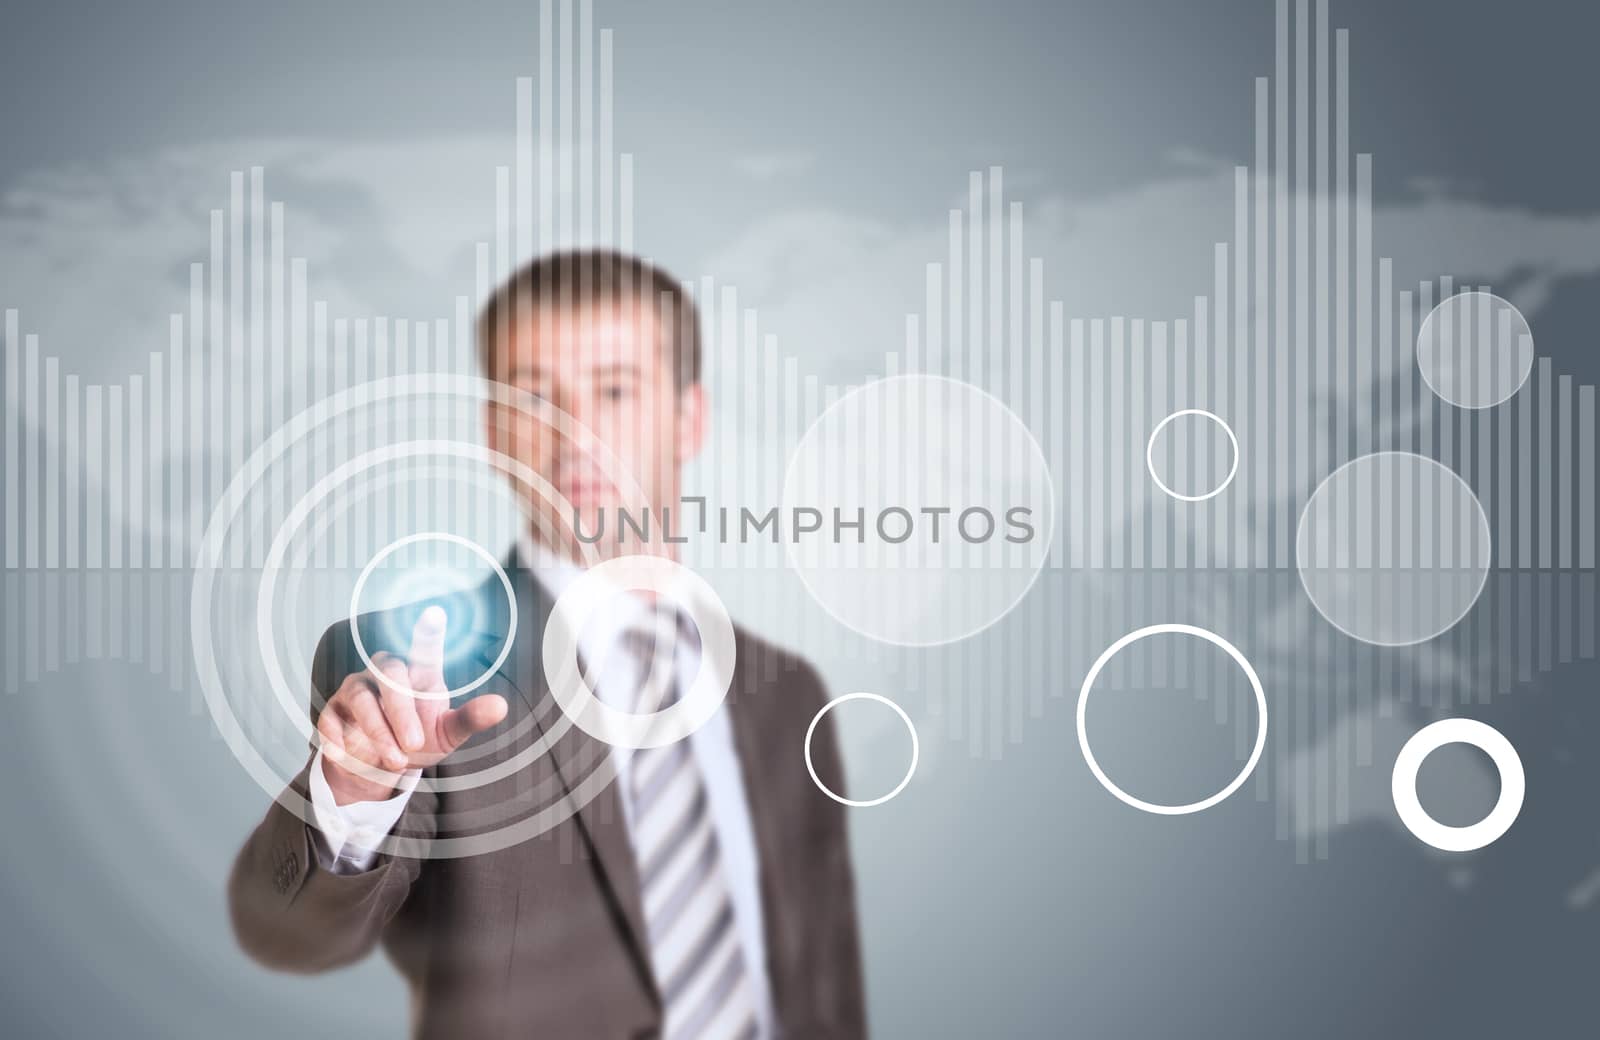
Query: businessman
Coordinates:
[695,890]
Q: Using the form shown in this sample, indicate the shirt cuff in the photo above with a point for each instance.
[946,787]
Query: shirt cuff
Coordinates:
[352,833]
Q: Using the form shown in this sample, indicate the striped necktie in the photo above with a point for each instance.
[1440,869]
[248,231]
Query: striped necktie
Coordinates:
[695,945]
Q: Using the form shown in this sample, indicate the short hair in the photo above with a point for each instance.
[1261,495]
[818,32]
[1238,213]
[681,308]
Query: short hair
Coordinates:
[585,277]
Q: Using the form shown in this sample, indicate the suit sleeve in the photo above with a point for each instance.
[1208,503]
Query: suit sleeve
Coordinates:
[838,977]
[288,912]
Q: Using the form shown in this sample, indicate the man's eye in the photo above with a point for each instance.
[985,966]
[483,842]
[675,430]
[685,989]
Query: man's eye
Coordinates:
[614,392]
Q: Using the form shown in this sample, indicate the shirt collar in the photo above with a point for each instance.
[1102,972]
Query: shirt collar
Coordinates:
[601,633]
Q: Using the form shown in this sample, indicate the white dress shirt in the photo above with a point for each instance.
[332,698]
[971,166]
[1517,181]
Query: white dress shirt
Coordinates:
[351,833]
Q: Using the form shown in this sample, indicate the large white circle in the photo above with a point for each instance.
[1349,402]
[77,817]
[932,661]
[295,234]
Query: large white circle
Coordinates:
[1150,451]
[1393,548]
[955,504]
[1475,349]
[570,686]
[864,803]
[1513,785]
[1174,629]
[453,539]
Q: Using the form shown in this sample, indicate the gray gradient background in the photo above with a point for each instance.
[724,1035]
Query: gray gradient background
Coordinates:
[808,153]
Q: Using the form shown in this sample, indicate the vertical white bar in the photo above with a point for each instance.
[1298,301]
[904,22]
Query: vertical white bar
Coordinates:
[1586,475]
[156,524]
[216,357]
[564,67]
[1364,337]
[32,434]
[299,374]
[258,328]
[340,535]
[955,265]
[1342,390]
[1036,368]
[1239,356]
[189,448]
[93,477]
[586,121]
[1323,368]
[524,172]
[116,444]
[235,353]
[358,531]
[546,125]
[1076,499]
[1525,408]
[1261,354]
[1180,380]
[1204,398]
[1161,400]
[1113,453]
[1304,478]
[1564,470]
[1136,424]
[1222,348]
[1546,458]
[1066,538]
[72,444]
[13,433]
[277,385]
[1096,502]
[975,297]
[51,427]
[133,514]
[165,407]
[606,202]
[1283,352]
[319,392]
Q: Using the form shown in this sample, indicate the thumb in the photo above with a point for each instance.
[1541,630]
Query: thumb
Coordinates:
[475,716]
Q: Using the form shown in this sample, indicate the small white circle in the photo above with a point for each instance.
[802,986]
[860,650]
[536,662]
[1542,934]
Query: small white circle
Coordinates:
[1150,448]
[1458,731]
[1475,350]
[588,593]
[910,770]
[453,539]
[1083,711]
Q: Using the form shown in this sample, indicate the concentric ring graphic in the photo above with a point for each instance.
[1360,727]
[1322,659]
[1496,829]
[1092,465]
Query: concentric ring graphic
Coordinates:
[212,558]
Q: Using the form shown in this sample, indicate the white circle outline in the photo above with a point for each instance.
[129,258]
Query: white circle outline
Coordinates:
[570,686]
[790,548]
[1416,348]
[911,770]
[1484,737]
[1083,711]
[1150,448]
[400,543]
[1483,520]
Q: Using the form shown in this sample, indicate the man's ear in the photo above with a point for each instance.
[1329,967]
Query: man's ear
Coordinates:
[691,421]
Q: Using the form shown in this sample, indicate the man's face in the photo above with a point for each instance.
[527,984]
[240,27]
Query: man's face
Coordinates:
[608,368]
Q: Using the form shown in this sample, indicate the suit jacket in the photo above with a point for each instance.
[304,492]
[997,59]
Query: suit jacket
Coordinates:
[544,936]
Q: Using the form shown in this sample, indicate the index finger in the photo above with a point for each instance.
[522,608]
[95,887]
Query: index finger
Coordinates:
[426,659]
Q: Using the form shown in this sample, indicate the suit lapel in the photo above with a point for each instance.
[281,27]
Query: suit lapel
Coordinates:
[575,755]
[749,706]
